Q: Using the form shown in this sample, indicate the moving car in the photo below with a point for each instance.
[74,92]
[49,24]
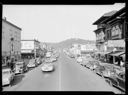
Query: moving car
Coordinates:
[31,63]
[7,76]
[20,67]
[47,67]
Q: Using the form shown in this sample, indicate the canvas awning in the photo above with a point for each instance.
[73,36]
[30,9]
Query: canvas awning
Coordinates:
[123,56]
[117,53]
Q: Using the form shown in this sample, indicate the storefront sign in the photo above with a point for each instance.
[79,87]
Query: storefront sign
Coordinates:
[116,43]
[26,51]
[116,31]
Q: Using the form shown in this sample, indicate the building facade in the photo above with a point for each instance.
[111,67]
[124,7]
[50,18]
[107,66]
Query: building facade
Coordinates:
[111,36]
[30,48]
[11,40]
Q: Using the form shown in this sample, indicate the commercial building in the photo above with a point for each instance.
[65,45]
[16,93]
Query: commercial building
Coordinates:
[11,41]
[30,48]
[110,35]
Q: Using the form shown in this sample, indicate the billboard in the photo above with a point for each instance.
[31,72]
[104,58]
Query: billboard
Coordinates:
[27,44]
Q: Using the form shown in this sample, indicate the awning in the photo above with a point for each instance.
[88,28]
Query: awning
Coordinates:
[123,56]
[117,53]
[103,53]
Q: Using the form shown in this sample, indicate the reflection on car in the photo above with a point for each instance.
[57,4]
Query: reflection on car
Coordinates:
[7,76]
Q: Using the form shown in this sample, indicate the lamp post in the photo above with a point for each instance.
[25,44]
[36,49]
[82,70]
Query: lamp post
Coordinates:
[12,46]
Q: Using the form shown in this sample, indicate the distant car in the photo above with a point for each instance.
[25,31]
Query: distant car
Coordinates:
[47,67]
[79,59]
[53,59]
[48,54]
[31,63]
[20,67]
[48,60]
[7,76]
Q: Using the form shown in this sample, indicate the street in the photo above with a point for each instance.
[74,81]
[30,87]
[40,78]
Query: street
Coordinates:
[68,76]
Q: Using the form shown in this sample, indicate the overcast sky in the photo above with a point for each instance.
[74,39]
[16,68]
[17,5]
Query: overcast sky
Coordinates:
[55,23]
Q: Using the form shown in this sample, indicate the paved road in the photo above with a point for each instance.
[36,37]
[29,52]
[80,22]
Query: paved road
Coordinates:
[68,76]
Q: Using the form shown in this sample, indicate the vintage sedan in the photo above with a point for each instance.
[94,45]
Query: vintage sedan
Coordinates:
[38,61]
[99,70]
[117,80]
[47,67]
[7,76]
[20,67]
[79,59]
[31,63]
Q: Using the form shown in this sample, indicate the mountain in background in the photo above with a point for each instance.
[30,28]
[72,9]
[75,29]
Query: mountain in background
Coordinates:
[67,43]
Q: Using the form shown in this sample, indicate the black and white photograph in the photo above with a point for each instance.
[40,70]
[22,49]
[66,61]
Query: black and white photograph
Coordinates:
[64,48]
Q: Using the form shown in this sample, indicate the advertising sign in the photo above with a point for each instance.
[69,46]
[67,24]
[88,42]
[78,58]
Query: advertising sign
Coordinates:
[26,51]
[116,31]
[27,45]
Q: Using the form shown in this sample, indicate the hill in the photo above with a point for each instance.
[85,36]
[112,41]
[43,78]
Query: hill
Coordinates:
[67,43]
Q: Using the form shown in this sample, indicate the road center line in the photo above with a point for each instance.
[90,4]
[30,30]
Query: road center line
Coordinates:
[59,76]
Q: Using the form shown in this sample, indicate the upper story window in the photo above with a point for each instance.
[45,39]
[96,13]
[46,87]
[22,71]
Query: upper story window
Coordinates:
[116,31]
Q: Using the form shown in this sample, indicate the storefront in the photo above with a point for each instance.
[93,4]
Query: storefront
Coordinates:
[116,56]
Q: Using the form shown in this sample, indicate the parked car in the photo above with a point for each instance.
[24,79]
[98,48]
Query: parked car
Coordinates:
[48,60]
[31,63]
[99,69]
[48,54]
[79,59]
[53,59]
[47,67]
[117,80]
[95,64]
[38,61]
[20,67]
[7,76]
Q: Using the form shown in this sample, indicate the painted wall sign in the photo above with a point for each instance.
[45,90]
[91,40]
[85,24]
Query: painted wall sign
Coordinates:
[27,44]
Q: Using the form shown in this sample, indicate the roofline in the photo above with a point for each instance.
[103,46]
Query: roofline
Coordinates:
[96,22]
[116,14]
[11,24]
[30,40]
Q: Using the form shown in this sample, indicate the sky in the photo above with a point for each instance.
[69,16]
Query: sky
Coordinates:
[55,23]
